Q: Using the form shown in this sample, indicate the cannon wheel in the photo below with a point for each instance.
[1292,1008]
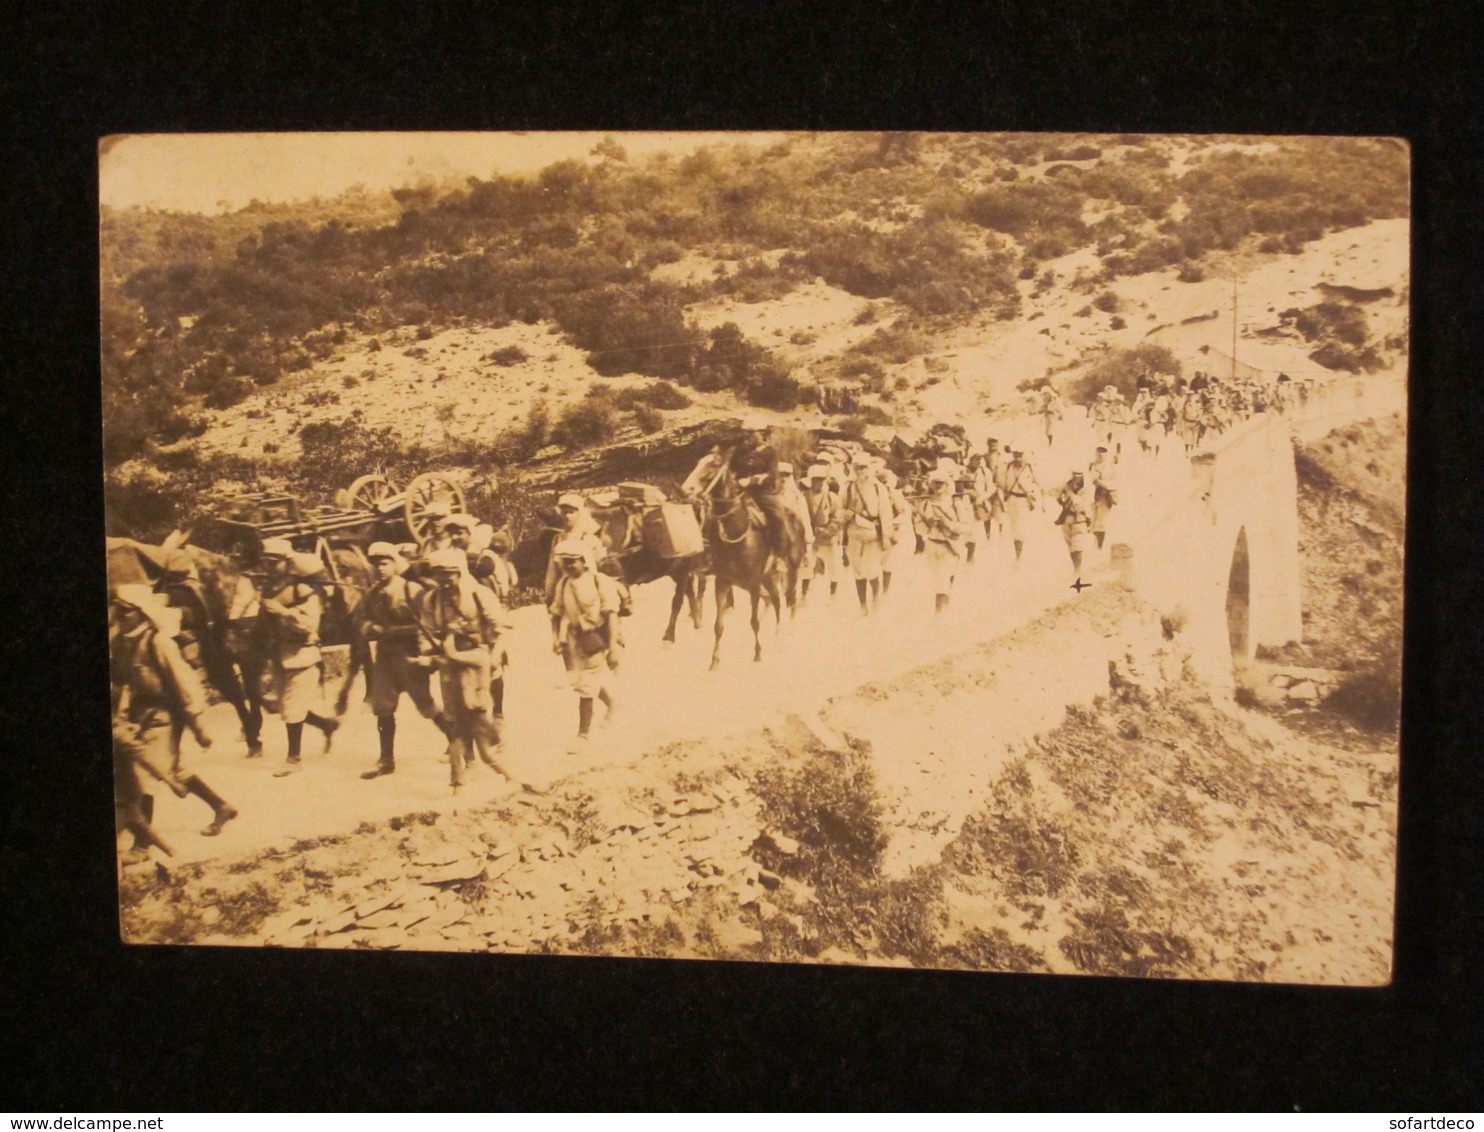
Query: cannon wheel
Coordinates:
[369,493]
[424,491]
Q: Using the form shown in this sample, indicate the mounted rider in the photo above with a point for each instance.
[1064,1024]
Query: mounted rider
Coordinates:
[755,464]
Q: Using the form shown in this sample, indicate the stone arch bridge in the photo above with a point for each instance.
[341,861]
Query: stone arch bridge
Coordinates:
[1218,549]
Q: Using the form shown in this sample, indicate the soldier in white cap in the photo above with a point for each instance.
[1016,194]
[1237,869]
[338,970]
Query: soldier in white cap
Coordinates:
[157,697]
[905,534]
[942,534]
[966,507]
[462,623]
[1104,494]
[1051,410]
[793,499]
[584,631]
[1075,519]
[387,617]
[827,521]
[1019,490]
[868,528]
[579,525]
[292,607]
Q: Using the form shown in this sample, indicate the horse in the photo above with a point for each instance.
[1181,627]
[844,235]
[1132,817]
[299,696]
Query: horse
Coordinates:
[736,537]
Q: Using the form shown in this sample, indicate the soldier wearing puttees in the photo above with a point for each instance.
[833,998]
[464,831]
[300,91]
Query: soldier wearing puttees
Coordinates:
[584,631]
[987,482]
[966,508]
[465,534]
[1104,494]
[206,632]
[292,607]
[1075,519]
[1019,490]
[942,534]
[1052,409]
[387,618]
[904,528]
[870,525]
[578,525]
[157,697]
[461,624]
[827,520]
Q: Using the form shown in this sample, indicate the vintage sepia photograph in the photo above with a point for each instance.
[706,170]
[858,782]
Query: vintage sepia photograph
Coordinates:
[976,551]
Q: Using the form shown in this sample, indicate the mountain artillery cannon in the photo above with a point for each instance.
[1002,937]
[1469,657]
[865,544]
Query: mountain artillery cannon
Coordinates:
[371,508]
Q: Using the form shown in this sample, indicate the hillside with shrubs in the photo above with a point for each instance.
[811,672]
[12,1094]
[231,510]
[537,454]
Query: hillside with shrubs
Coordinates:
[623,270]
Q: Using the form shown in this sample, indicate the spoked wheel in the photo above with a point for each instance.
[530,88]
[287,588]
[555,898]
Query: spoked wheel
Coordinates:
[431,491]
[369,493]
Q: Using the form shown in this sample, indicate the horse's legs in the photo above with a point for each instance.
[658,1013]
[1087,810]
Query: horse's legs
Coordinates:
[698,599]
[757,596]
[681,585]
[723,599]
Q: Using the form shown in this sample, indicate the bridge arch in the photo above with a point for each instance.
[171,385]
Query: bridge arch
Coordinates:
[1224,554]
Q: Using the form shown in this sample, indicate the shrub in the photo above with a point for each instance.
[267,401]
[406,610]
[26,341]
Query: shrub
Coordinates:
[649,419]
[1191,272]
[1107,302]
[1122,369]
[508,356]
[774,389]
[630,330]
[229,391]
[424,333]
[1117,322]
[333,453]
[592,420]
[866,315]
[350,381]
[656,395]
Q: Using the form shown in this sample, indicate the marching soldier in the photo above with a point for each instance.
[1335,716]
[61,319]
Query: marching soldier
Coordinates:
[292,606]
[387,618]
[213,644]
[987,483]
[157,697]
[793,498]
[577,524]
[905,533]
[966,507]
[869,526]
[1018,489]
[461,626]
[1104,494]
[1075,519]
[942,534]
[584,631]
[827,521]
[1052,410]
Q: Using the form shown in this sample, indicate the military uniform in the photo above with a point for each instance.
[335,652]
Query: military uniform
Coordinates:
[943,537]
[387,619]
[584,612]
[827,521]
[290,617]
[1018,489]
[1075,519]
[461,628]
[1104,496]
[157,697]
